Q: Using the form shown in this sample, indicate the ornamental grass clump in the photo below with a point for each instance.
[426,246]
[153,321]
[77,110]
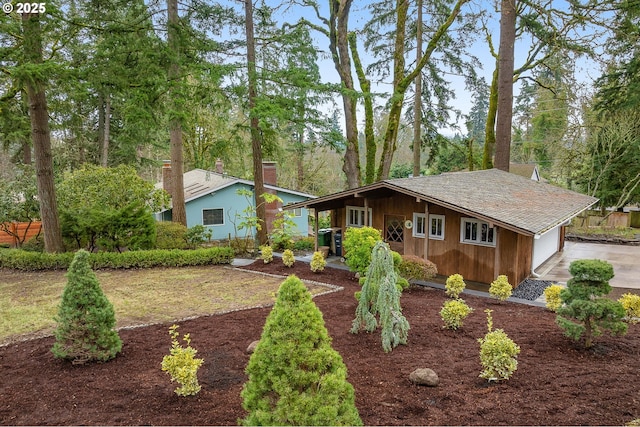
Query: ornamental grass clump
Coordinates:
[380,295]
[318,262]
[295,377]
[86,319]
[182,364]
[501,288]
[498,353]
[454,285]
[454,312]
[266,253]
[631,304]
[287,258]
[552,297]
[586,313]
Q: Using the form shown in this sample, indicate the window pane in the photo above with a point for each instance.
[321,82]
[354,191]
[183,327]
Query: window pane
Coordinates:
[420,225]
[467,230]
[484,235]
[490,238]
[212,217]
[474,231]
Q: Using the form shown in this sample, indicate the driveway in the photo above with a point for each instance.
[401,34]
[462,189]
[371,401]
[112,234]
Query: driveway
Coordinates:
[625,260]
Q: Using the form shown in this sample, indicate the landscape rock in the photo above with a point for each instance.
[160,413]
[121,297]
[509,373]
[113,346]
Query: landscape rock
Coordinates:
[424,376]
[252,347]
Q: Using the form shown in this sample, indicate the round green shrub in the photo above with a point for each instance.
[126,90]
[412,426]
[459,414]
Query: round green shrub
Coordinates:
[266,253]
[295,377]
[501,288]
[358,244]
[631,304]
[454,285]
[413,267]
[288,259]
[552,297]
[498,353]
[318,262]
[171,235]
[304,244]
[86,319]
[454,312]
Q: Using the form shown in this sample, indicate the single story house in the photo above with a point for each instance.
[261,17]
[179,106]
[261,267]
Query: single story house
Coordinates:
[479,224]
[212,200]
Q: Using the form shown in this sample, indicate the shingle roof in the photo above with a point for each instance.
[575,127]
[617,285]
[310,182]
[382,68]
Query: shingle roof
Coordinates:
[500,196]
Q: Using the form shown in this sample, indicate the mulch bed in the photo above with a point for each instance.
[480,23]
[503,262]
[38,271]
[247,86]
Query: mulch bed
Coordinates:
[557,381]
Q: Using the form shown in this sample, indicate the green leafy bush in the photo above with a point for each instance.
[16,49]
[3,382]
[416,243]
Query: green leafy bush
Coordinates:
[585,312]
[498,353]
[266,253]
[454,312]
[631,304]
[295,377]
[197,235]
[454,285]
[358,244]
[380,295]
[35,244]
[31,261]
[85,330]
[552,296]
[415,268]
[170,235]
[287,258]
[304,244]
[501,288]
[182,364]
[318,262]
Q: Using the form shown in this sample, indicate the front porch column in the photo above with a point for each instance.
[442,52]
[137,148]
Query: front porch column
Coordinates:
[427,226]
[315,229]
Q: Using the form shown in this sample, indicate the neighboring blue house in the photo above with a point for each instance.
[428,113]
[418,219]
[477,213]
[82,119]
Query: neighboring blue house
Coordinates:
[212,200]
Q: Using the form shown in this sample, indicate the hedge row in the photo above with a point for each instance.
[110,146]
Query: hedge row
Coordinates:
[29,261]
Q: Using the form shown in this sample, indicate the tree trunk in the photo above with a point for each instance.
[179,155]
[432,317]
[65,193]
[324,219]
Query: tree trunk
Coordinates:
[417,105]
[178,211]
[106,130]
[490,127]
[339,47]
[41,137]
[505,84]
[256,146]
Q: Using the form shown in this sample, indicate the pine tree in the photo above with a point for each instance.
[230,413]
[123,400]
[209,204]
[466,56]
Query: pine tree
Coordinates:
[380,295]
[86,318]
[295,377]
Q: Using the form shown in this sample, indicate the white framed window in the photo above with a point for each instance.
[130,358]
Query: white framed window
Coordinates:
[477,232]
[355,216]
[418,224]
[213,216]
[436,227]
[297,212]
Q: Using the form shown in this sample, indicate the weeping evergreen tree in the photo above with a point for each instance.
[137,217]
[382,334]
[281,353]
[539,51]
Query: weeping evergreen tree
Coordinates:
[86,318]
[380,296]
[295,377]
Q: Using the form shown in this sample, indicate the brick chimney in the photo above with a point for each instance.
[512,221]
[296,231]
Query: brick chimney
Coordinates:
[270,177]
[166,176]
[219,166]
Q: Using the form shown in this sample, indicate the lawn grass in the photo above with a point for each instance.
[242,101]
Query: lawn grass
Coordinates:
[29,300]
[620,232]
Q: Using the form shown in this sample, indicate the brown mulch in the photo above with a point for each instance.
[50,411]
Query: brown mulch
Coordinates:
[557,381]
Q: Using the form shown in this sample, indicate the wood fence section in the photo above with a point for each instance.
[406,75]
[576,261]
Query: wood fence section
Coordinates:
[20,228]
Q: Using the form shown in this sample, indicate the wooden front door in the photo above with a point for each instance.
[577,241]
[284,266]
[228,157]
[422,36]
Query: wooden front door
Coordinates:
[394,232]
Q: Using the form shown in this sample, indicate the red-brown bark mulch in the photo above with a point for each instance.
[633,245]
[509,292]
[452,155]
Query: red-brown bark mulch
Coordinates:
[557,381]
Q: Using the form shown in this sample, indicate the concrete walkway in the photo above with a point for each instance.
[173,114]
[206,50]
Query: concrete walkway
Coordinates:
[625,260]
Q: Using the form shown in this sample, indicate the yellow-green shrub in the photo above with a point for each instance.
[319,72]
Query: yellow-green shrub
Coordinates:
[287,258]
[498,353]
[501,288]
[631,304]
[454,285]
[552,295]
[266,253]
[182,364]
[454,312]
[318,262]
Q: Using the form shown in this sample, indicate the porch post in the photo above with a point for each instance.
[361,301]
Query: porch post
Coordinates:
[427,226]
[366,212]
[315,229]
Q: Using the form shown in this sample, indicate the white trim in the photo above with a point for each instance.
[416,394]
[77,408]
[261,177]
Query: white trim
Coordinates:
[436,236]
[416,217]
[479,225]
[212,209]
[360,218]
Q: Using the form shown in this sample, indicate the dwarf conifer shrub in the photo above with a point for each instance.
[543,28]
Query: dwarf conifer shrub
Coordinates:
[318,262]
[586,313]
[86,320]
[266,253]
[287,258]
[552,296]
[454,312]
[454,285]
[380,295]
[295,377]
[498,353]
[501,288]
[182,364]
[631,304]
